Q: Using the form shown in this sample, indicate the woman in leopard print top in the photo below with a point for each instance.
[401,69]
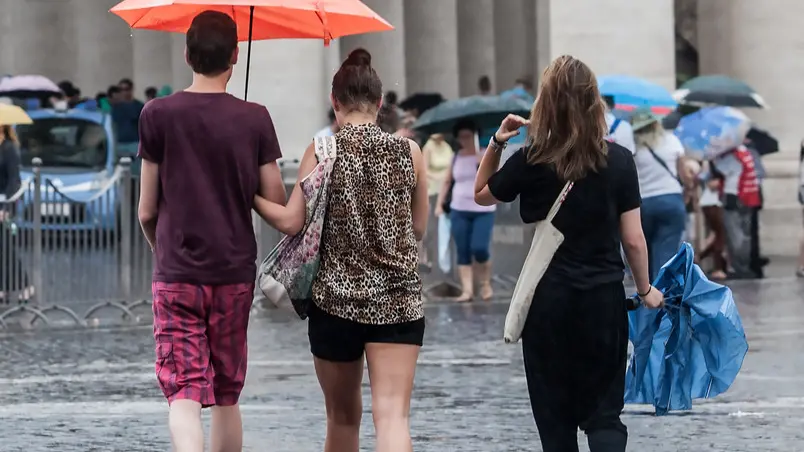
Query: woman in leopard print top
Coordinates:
[368,248]
[367,293]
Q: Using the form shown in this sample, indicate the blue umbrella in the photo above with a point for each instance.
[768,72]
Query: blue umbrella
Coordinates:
[691,349]
[627,90]
[712,131]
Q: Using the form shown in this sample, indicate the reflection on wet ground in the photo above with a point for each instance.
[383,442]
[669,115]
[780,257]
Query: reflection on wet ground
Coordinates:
[94,390]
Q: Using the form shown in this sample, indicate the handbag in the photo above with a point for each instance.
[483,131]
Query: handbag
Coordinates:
[546,240]
[286,275]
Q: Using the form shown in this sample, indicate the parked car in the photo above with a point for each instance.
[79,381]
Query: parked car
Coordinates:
[79,190]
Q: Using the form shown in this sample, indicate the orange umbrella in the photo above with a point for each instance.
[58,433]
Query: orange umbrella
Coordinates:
[259,19]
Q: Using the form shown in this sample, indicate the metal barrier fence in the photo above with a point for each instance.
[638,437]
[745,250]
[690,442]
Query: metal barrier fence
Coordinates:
[71,251]
[79,255]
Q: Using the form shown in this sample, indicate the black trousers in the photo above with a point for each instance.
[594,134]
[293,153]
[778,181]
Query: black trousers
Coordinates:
[755,262]
[575,344]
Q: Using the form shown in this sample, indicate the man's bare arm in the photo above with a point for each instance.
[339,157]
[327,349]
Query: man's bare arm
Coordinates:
[272,186]
[147,211]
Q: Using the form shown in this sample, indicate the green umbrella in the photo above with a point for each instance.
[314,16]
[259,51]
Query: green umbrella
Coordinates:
[485,111]
[719,90]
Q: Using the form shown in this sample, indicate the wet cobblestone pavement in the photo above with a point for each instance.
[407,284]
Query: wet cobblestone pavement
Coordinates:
[94,390]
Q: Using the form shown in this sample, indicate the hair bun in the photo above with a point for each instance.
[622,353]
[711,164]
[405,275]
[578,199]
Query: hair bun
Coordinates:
[358,57]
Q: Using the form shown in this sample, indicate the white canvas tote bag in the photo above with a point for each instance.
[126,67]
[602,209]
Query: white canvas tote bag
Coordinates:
[546,240]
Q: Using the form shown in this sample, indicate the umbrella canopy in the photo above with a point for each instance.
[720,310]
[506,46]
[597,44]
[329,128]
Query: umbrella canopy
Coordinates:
[421,102]
[762,141]
[712,131]
[28,86]
[719,90]
[485,111]
[632,92]
[272,19]
[693,348]
[258,19]
[11,115]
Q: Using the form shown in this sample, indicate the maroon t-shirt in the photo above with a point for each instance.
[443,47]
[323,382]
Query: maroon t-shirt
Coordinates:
[209,147]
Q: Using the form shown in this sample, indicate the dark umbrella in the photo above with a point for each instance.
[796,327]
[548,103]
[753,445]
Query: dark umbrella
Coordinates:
[485,111]
[719,90]
[421,102]
[762,141]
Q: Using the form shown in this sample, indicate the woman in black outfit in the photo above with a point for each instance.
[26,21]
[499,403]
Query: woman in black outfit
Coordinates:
[12,276]
[575,338]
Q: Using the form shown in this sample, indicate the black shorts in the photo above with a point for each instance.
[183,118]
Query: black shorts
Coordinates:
[337,339]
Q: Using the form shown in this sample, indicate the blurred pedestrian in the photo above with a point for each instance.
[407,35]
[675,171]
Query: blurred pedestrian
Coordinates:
[150,93]
[472,223]
[331,128]
[659,160]
[800,271]
[715,244]
[741,196]
[575,339]
[484,86]
[619,130]
[367,295]
[197,190]
[126,116]
[13,276]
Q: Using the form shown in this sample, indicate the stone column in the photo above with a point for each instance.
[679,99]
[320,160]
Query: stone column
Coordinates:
[475,44]
[612,37]
[387,48]
[104,45]
[510,37]
[295,94]
[772,62]
[714,36]
[431,47]
[152,60]
[38,38]
[182,75]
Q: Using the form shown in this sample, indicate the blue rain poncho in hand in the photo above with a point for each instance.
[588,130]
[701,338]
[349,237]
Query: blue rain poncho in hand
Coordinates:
[691,349]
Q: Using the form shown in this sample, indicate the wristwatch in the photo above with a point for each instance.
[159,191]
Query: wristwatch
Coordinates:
[498,146]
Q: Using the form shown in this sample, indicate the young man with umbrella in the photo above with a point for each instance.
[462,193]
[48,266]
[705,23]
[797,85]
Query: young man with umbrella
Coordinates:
[206,154]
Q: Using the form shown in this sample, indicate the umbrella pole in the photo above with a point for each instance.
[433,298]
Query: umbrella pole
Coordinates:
[248,53]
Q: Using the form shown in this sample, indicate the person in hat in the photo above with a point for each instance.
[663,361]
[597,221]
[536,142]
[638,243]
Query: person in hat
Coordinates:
[659,158]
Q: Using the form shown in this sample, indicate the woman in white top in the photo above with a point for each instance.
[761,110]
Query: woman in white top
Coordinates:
[659,158]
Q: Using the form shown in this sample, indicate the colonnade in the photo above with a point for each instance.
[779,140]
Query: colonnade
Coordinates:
[440,46]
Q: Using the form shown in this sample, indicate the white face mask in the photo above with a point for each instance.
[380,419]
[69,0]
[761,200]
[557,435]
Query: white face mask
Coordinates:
[60,105]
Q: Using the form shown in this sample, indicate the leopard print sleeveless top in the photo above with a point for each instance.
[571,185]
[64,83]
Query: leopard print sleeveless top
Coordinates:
[369,258]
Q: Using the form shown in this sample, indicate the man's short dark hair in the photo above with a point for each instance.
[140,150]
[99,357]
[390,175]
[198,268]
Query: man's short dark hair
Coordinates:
[331,115]
[391,98]
[211,42]
[114,89]
[609,100]
[126,81]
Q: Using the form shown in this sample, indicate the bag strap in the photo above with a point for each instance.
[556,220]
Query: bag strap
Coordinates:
[661,162]
[325,147]
[614,125]
[560,200]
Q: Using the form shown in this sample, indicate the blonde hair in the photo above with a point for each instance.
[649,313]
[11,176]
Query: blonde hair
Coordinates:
[568,122]
[649,136]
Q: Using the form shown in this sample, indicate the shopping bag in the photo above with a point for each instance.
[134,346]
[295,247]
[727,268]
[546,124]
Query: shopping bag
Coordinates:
[444,236]
[546,240]
[286,275]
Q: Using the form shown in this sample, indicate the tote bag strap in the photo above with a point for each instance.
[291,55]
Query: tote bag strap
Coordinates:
[560,200]
[325,147]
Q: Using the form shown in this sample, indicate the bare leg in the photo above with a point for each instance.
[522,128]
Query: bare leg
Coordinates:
[227,429]
[186,431]
[391,371]
[342,397]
